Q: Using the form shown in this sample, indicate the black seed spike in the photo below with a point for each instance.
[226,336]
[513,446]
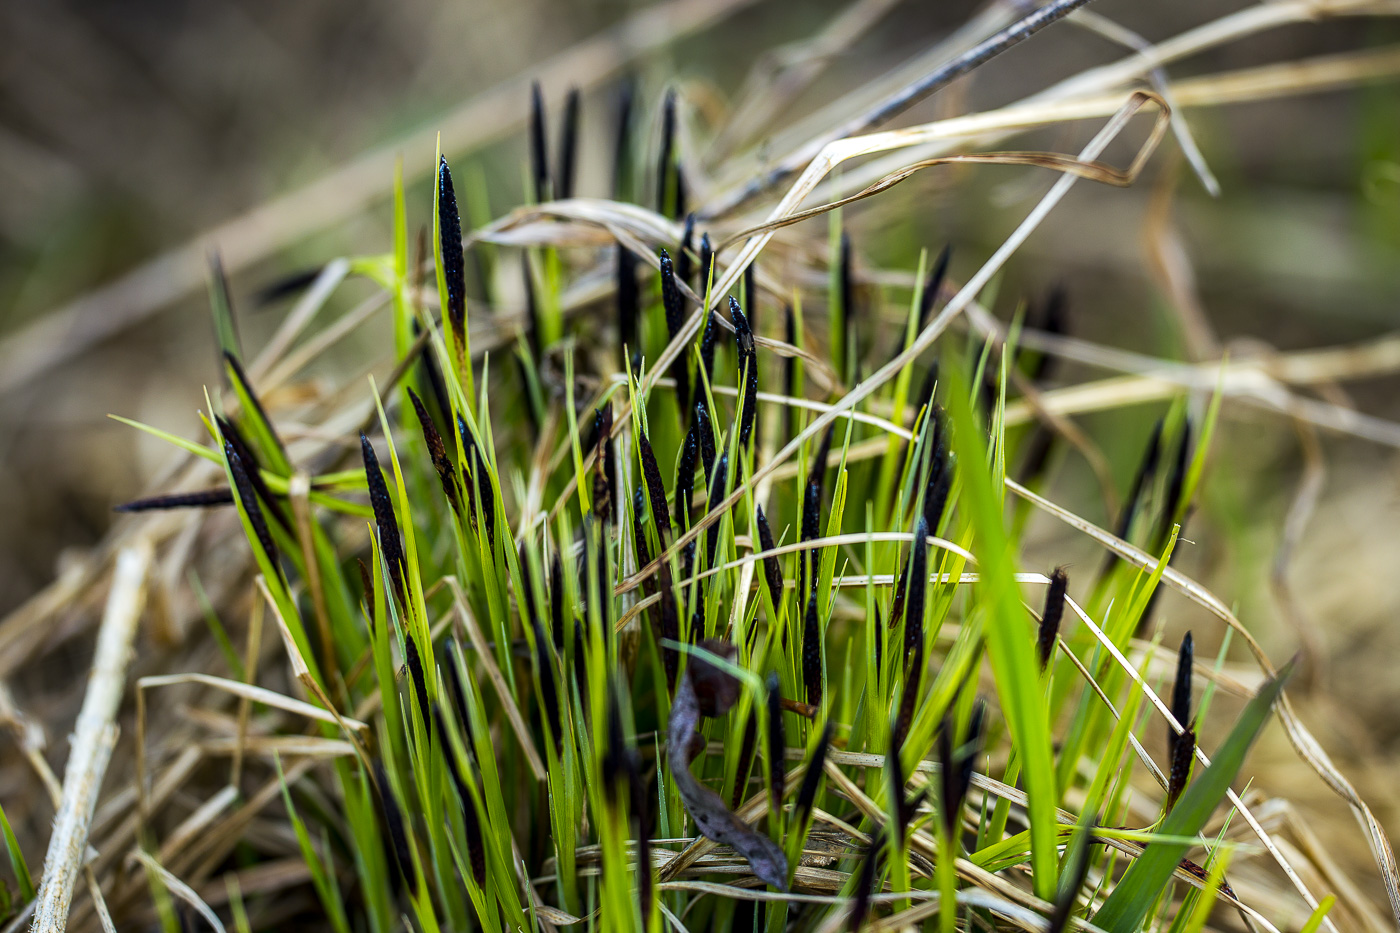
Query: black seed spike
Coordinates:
[568,147]
[812,651]
[707,261]
[707,350]
[846,286]
[705,434]
[1176,483]
[471,819]
[901,811]
[777,745]
[790,385]
[622,142]
[664,165]
[628,305]
[383,507]
[812,506]
[549,690]
[1181,688]
[746,753]
[918,587]
[1183,752]
[670,624]
[457,694]
[539,162]
[468,459]
[532,310]
[684,264]
[234,436]
[1051,319]
[432,375]
[685,476]
[748,370]
[453,267]
[772,570]
[242,376]
[286,286]
[957,770]
[674,305]
[1050,616]
[202,499]
[437,450]
[249,498]
[865,882]
[603,503]
[419,677]
[393,820]
[556,600]
[1146,470]
[486,496]
[651,473]
[811,778]
[932,289]
[717,482]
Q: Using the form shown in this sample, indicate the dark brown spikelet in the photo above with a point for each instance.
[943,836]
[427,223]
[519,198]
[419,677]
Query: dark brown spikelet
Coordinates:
[249,497]
[628,306]
[639,533]
[705,435]
[393,822]
[902,808]
[1050,616]
[716,497]
[420,681]
[1181,688]
[865,882]
[707,350]
[471,819]
[468,459]
[454,270]
[811,778]
[656,490]
[605,461]
[665,163]
[685,476]
[232,435]
[707,262]
[772,570]
[674,305]
[777,745]
[685,266]
[201,499]
[1049,317]
[812,651]
[940,472]
[682,194]
[670,624]
[748,371]
[383,507]
[437,451]
[1183,752]
[539,161]
[568,148]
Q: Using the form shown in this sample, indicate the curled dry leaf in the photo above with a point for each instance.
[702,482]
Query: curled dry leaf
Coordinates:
[715,820]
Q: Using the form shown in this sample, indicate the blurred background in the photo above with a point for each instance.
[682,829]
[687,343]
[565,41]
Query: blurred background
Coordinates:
[130,131]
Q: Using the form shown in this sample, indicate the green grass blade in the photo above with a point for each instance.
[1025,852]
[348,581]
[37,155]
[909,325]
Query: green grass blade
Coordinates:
[1126,908]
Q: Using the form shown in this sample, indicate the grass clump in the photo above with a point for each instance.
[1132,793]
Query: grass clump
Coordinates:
[686,619]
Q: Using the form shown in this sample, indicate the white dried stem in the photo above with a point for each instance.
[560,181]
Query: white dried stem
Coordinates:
[94,736]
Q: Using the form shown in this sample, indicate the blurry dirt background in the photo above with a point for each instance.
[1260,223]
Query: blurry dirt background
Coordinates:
[129,129]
